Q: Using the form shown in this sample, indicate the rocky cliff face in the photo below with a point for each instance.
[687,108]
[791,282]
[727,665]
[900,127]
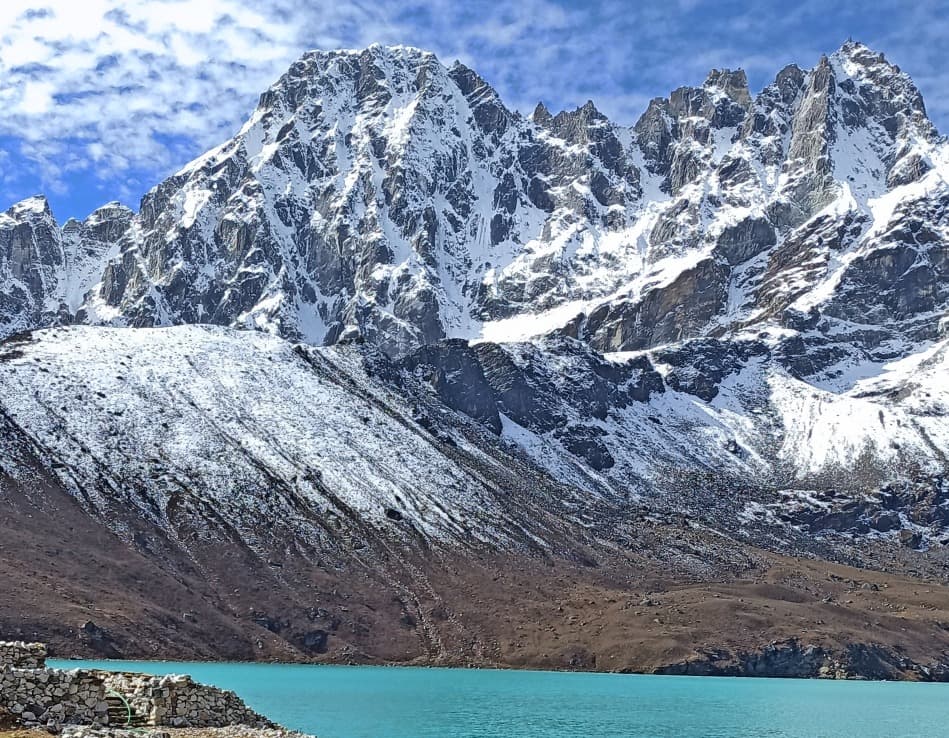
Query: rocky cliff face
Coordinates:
[370,194]
[33,259]
[47,271]
[381,194]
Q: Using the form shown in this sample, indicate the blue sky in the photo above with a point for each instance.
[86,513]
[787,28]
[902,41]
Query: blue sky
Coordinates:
[101,99]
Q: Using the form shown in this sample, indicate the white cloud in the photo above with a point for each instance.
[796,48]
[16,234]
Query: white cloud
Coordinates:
[80,80]
[37,98]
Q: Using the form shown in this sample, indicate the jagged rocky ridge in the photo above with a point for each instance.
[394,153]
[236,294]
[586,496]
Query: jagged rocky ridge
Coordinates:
[381,194]
[486,329]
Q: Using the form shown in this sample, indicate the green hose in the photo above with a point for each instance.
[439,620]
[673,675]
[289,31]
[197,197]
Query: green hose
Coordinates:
[128,707]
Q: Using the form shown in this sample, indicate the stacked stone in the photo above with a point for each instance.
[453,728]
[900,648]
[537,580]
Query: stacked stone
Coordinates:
[31,694]
[52,697]
[178,701]
[20,655]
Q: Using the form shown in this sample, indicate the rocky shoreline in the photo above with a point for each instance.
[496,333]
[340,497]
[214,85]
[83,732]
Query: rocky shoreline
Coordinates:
[787,659]
[92,703]
[793,660]
[200,711]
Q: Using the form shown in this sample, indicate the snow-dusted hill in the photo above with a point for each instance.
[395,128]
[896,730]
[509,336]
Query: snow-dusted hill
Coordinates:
[264,429]
[484,445]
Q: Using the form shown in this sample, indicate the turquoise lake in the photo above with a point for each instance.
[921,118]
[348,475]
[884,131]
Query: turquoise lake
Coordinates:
[375,702]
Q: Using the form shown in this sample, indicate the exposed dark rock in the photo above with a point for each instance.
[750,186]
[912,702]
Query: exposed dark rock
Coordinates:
[665,314]
[746,239]
[699,367]
[791,659]
[316,641]
[99,640]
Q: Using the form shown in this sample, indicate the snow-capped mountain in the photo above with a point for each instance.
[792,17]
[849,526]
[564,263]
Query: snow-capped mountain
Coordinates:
[488,332]
[47,271]
[380,194]
[374,193]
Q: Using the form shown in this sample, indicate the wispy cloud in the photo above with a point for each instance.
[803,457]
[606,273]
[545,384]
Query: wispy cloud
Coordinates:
[103,98]
[113,87]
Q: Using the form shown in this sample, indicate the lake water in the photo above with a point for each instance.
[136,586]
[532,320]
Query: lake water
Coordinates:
[375,702]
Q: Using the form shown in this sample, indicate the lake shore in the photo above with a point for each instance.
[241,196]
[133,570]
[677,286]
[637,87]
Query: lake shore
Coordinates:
[782,617]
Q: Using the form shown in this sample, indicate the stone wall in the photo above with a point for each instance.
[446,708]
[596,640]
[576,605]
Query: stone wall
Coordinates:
[31,694]
[19,655]
[52,697]
[178,701]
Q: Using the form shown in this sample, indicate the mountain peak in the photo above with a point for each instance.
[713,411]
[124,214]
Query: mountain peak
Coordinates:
[375,61]
[732,84]
[374,49]
[858,61]
[110,210]
[583,114]
[852,48]
[398,50]
[469,81]
[889,90]
[490,113]
[37,204]
[541,115]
